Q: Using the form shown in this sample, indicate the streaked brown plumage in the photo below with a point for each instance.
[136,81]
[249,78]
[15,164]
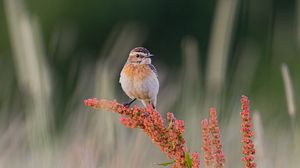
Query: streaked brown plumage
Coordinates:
[139,78]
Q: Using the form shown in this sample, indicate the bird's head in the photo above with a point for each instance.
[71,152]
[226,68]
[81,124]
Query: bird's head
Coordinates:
[139,55]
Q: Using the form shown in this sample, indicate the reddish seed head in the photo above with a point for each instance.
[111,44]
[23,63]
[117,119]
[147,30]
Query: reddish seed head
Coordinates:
[248,149]
[211,139]
[169,138]
[206,143]
[195,160]
[217,153]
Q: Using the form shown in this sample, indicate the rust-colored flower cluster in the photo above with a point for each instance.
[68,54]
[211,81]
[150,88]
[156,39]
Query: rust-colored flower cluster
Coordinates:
[195,160]
[168,137]
[218,155]
[248,149]
[206,143]
[211,139]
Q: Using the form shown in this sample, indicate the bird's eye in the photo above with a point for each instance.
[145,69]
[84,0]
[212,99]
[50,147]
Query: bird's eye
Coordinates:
[138,56]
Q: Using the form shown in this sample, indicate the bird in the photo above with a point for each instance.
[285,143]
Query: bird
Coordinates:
[139,79]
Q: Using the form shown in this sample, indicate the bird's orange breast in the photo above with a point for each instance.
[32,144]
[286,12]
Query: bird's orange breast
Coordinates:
[137,72]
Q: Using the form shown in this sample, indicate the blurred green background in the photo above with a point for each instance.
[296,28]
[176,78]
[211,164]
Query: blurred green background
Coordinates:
[54,54]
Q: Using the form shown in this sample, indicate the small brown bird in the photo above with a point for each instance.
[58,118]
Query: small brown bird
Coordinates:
[139,77]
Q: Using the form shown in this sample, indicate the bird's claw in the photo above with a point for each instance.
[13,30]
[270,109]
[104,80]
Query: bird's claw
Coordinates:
[126,105]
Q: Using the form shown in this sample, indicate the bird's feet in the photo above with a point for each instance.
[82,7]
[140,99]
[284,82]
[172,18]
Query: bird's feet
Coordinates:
[127,105]
[153,106]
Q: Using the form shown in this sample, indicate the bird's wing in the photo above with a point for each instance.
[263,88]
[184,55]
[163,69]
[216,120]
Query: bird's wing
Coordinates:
[152,67]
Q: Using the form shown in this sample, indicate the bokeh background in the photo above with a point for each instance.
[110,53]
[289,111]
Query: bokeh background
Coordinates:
[54,54]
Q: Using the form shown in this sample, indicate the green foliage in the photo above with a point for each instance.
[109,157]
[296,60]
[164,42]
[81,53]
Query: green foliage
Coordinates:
[82,46]
[188,160]
[165,164]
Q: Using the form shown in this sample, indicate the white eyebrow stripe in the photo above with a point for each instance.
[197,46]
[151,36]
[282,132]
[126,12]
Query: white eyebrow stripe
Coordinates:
[140,53]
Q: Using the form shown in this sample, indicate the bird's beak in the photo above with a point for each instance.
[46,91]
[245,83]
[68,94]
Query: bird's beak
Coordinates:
[150,55]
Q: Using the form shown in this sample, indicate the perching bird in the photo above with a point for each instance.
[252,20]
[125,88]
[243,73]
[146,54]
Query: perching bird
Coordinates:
[139,77]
